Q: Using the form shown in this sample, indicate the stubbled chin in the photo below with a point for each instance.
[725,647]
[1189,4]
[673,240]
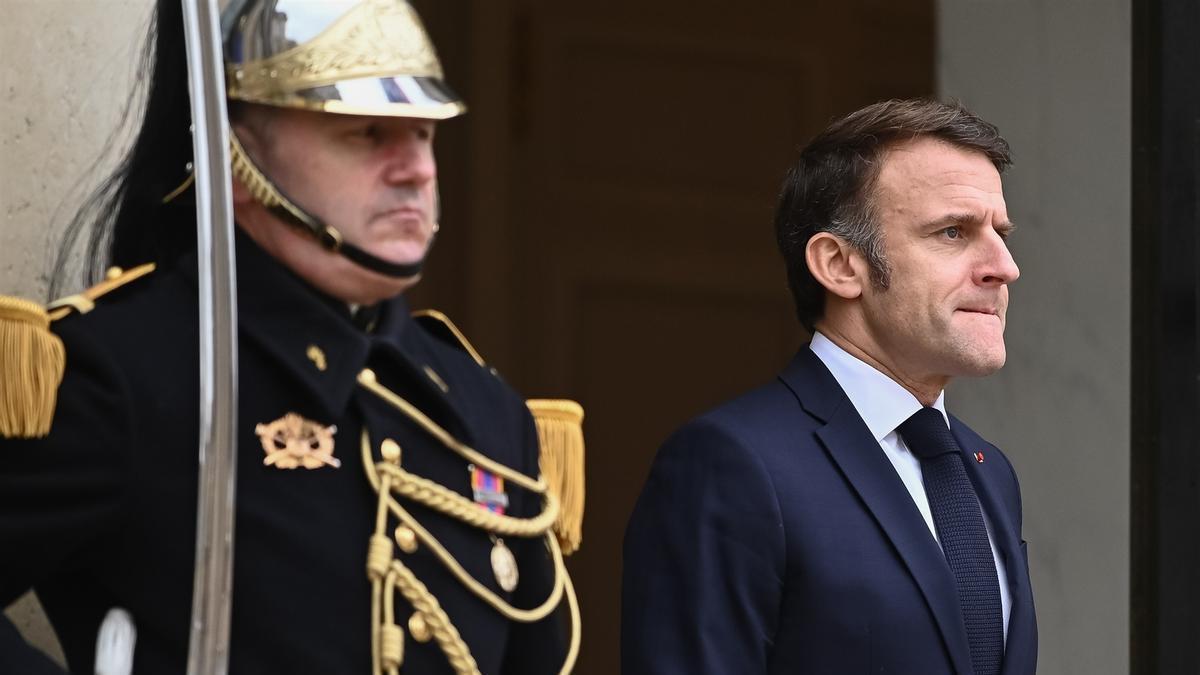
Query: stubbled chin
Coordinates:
[402,252]
[985,359]
[981,349]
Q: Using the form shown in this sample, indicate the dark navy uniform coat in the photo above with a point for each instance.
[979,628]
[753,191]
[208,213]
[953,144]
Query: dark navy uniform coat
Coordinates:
[774,536]
[102,512]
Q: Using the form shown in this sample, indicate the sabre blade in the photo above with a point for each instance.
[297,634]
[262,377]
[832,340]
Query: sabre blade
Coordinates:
[208,650]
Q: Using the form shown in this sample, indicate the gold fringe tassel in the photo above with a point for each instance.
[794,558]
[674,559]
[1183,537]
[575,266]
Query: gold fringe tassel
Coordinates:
[32,360]
[560,431]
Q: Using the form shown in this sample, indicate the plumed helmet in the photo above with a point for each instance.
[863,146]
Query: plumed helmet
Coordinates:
[361,57]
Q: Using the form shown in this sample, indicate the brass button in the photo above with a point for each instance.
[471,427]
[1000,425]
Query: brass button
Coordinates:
[406,539]
[418,629]
[390,450]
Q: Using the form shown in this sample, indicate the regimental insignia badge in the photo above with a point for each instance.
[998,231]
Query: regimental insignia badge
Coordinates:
[292,441]
[488,490]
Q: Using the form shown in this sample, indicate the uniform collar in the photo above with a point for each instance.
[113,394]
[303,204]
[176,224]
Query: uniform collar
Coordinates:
[308,334]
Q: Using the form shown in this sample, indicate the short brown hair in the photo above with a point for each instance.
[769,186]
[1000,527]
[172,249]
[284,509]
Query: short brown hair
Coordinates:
[831,186]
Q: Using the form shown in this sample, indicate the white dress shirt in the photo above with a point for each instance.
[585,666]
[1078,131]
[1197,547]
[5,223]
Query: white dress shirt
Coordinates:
[884,405]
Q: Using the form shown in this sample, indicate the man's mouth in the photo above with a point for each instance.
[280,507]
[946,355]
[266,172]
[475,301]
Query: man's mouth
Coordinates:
[403,212]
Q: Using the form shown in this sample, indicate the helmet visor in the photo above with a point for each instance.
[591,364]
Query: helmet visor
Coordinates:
[400,96]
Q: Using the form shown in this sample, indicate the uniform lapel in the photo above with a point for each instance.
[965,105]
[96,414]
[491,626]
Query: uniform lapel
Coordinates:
[855,451]
[306,334]
[404,341]
[988,477]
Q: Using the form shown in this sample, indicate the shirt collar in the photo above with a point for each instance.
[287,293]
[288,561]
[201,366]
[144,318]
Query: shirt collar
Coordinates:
[881,402]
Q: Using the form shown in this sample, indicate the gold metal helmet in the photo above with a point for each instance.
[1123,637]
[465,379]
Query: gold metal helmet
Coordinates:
[359,57]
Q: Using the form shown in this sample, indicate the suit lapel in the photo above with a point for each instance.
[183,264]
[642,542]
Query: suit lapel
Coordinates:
[855,451]
[988,477]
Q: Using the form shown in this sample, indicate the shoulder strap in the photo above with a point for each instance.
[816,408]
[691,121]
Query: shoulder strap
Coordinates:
[444,329]
[84,302]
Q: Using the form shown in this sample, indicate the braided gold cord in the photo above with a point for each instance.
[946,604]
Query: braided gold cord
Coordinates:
[391,638]
[376,625]
[392,648]
[367,379]
[387,478]
[452,644]
[451,503]
[448,638]
[464,577]
[576,621]
[379,556]
[483,592]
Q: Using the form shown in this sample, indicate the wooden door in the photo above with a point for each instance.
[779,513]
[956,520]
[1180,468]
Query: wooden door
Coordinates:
[609,209]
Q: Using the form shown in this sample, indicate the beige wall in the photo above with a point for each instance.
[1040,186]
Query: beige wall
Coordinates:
[65,72]
[1055,76]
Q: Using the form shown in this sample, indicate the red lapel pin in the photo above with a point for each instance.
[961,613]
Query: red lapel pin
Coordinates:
[979,457]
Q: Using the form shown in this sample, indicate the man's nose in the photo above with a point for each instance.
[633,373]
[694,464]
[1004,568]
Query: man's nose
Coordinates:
[410,162]
[997,266]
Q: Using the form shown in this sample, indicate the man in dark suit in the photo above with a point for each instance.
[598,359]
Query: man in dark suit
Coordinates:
[391,514]
[837,520]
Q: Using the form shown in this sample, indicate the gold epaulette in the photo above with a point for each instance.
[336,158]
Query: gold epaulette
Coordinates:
[560,435]
[32,358]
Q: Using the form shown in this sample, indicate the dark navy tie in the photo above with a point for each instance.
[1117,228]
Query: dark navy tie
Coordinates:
[960,529]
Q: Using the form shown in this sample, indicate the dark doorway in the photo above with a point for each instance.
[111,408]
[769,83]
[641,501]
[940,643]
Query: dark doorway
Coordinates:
[1165,499]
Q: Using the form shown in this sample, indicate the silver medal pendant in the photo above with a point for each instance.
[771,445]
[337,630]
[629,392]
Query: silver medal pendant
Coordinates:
[504,566]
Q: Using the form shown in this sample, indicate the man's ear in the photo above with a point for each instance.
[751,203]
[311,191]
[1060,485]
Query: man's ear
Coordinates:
[836,265]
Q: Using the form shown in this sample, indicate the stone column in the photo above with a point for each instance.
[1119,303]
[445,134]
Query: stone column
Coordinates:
[1054,75]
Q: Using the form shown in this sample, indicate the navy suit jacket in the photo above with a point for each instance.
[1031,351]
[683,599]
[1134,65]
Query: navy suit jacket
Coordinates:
[774,536]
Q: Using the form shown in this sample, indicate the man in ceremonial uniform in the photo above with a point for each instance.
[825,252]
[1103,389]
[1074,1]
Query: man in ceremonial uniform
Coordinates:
[837,519]
[391,513]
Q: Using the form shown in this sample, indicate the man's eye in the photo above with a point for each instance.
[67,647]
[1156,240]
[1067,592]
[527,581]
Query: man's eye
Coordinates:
[369,132]
[952,232]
